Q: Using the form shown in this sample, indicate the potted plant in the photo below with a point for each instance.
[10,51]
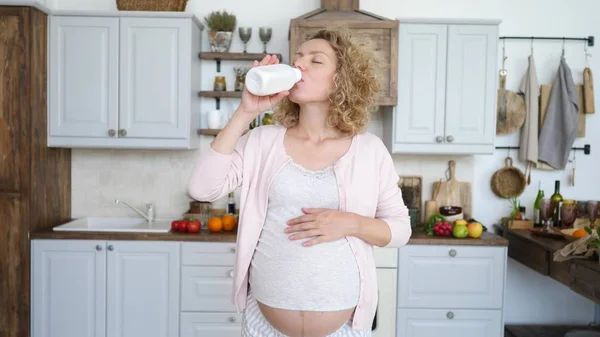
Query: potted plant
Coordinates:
[221,25]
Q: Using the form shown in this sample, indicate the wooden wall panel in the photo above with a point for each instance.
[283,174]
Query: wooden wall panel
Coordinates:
[35,181]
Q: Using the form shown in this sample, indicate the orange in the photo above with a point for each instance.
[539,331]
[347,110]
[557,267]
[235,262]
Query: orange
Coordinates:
[579,233]
[229,222]
[215,224]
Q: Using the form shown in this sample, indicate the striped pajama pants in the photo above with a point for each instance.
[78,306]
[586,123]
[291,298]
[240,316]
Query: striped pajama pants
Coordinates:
[254,324]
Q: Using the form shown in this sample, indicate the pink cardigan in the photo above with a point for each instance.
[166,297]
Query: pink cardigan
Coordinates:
[367,186]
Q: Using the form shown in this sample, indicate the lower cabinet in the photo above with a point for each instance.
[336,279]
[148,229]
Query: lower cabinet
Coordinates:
[206,283]
[86,288]
[449,323]
[451,291]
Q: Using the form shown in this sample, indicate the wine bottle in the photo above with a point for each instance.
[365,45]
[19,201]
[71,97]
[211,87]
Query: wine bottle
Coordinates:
[556,200]
[231,204]
[537,221]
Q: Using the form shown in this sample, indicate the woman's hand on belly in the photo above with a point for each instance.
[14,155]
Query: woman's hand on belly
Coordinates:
[323,224]
[296,323]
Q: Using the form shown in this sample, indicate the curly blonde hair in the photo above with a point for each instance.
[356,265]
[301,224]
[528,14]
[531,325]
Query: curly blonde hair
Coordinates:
[356,86]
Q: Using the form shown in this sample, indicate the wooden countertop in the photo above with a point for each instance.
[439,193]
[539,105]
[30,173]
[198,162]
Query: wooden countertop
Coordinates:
[202,236]
[417,238]
[537,253]
[486,239]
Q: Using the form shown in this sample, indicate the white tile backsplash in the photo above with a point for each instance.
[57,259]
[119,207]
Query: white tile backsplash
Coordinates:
[160,176]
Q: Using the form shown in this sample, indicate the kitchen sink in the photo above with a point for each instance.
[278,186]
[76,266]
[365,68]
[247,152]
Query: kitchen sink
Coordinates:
[115,224]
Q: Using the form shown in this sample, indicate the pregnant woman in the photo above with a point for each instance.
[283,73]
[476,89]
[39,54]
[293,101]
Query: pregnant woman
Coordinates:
[318,192]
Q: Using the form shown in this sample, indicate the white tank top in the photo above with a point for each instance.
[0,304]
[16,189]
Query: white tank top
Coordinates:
[283,273]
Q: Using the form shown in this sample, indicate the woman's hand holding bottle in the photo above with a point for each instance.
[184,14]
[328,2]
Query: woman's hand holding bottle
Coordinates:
[251,106]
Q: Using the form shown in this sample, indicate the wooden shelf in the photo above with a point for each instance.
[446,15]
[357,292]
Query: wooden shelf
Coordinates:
[234,56]
[221,94]
[211,132]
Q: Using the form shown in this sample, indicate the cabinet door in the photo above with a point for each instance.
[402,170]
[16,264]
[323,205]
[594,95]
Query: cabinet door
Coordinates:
[451,276]
[385,320]
[419,115]
[154,82]
[471,84]
[68,283]
[84,70]
[142,289]
[209,324]
[449,323]
[206,288]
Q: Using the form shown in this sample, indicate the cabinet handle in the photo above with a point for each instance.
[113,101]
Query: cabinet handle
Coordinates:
[111,248]
[439,139]
[452,253]
[450,315]
[98,247]
[231,319]
[450,139]
[231,273]
[122,132]
[233,250]
[112,132]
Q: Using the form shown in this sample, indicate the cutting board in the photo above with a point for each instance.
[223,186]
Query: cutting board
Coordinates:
[411,190]
[453,192]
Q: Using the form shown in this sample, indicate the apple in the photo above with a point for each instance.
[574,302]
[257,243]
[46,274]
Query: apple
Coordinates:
[475,230]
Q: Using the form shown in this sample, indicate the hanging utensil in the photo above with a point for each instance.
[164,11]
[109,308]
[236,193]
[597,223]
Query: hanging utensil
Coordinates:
[588,85]
[511,106]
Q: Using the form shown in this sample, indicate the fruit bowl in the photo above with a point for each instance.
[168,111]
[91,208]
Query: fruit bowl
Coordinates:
[568,234]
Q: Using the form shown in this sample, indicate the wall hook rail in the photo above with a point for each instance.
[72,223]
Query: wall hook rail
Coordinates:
[587,148]
[589,39]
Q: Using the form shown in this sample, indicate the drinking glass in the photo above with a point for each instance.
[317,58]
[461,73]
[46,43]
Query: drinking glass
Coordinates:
[245,35]
[592,208]
[568,213]
[265,36]
[545,214]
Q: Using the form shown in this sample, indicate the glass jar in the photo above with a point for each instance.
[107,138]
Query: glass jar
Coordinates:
[220,84]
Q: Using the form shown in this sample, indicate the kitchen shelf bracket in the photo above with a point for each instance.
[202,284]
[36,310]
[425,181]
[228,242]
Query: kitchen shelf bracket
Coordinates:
[589,39]
[587,148]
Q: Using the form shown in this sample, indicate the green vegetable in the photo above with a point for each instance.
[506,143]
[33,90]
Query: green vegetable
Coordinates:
[428,227]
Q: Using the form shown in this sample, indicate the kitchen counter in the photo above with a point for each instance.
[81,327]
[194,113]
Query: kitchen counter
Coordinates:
[202,236]
[26,3]
[486,239]
[537,253]
[417,238]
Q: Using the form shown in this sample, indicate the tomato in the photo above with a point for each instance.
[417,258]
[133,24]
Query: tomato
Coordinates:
[183,225]
[175,225]
[193,226]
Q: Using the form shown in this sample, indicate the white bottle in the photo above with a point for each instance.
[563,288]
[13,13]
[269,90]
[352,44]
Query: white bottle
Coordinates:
[272,79]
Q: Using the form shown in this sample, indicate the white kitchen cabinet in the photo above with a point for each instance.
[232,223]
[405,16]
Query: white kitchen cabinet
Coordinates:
[206,289]
[449,323]
[68,288]
[124,82]
[446,290]
[446,89]
[99,288]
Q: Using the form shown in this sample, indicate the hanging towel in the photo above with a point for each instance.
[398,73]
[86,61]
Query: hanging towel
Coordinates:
[530,87]
[561,123]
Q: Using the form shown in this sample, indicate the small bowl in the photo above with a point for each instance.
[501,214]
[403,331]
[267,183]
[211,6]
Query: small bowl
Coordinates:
[450,210]
[567,234]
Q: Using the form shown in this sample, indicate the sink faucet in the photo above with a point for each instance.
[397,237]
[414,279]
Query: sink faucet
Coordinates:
[149,209]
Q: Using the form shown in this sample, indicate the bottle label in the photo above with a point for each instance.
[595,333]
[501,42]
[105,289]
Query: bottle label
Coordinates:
[536,216]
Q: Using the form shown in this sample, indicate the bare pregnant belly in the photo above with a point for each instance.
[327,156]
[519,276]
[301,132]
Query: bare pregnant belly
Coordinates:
[297,323]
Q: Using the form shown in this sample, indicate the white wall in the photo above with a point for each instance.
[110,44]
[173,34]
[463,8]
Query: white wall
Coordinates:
[160,176]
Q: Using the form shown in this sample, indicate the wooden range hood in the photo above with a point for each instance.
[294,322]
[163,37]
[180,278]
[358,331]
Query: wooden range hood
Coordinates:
[382,32]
